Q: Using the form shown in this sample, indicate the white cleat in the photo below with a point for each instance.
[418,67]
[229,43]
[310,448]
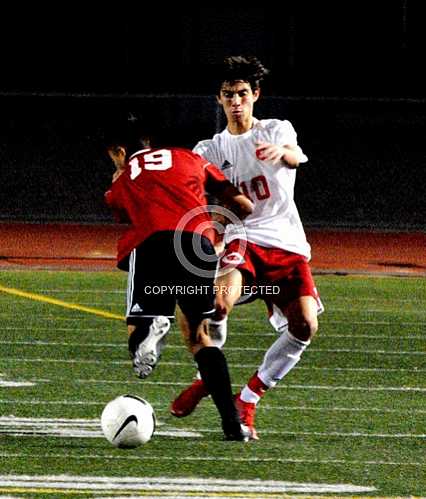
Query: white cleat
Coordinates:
[149,350]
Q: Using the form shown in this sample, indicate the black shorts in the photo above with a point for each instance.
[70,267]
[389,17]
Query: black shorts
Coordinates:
[171,268]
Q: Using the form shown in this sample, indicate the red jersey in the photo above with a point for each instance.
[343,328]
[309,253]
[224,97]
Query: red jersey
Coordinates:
[157,189]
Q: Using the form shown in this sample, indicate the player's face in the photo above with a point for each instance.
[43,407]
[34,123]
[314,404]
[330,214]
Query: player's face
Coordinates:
[237,99]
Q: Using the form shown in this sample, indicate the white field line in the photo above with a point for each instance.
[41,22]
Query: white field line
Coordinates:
[281,386]
[90,428]
[272,334]
[324,319]
[206,486]
[122,292]
[4,383]
[352,308]
[394,337]
[73,428]
[323,335]
[228,349]
[14,384]
[329,309]
[379,370]
[74,316]
[51,402]
[74,291]
[103,304]
[80,291]
[302,408]
[358,299]
[389,310]
[354,434]
[65,329]
[266,407]
[141,457]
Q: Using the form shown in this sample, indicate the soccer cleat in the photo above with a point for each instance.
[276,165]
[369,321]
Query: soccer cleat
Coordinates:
[187,401]
[247,413]
[237,433]
[148,351]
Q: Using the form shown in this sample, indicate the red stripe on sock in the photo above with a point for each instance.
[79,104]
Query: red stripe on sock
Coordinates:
[256,385]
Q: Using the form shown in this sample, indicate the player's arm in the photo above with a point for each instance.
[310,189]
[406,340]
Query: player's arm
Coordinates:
[235,201]
[288,155]
[118,211]
[117,155]
[282,149]
[229,196]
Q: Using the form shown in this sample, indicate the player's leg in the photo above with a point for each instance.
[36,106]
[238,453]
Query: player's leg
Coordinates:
[148,314]
[236,270]
[283,355]
[228,291]
[196,309]
[280,358]
[214,375]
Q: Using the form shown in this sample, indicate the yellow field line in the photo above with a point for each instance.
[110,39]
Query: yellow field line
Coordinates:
[59,303]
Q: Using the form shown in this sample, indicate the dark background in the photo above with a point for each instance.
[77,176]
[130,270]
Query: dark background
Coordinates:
[348,75]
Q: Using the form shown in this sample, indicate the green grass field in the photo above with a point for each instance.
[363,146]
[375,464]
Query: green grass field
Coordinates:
[352,412]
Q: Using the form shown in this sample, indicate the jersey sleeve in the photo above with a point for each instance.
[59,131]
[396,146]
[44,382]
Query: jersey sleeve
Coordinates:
[207,149]
[286,134]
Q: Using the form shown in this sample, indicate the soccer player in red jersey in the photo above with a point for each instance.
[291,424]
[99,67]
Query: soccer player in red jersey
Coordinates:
[169,255]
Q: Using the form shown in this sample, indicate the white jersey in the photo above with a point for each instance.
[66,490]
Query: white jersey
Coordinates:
[275,221]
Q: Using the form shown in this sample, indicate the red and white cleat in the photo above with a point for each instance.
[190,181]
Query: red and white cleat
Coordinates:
[247,413]
[185,403]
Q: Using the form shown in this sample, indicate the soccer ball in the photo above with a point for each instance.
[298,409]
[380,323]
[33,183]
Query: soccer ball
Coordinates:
[128,421]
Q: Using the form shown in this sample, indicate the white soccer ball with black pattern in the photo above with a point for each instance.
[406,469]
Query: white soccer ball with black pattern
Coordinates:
[128,421]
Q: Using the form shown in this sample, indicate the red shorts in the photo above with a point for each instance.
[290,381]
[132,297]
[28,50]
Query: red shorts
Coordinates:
[284,276]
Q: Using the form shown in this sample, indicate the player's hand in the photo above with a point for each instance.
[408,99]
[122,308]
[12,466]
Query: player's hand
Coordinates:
[269,152]
[276,154]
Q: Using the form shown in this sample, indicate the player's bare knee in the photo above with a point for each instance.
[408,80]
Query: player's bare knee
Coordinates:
[304,329]
[313,327]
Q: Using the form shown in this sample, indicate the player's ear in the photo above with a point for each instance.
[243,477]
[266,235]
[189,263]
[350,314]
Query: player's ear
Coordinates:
[117,155]
[256,94]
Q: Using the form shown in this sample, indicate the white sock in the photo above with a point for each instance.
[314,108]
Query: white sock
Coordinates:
[280,358]
[248,395]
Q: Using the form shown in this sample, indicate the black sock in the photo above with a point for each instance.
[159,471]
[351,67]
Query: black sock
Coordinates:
[215,375]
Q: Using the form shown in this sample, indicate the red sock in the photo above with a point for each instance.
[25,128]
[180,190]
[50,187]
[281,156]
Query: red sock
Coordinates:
[256,385]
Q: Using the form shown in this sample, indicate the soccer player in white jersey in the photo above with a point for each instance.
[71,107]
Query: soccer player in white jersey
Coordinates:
[261,158]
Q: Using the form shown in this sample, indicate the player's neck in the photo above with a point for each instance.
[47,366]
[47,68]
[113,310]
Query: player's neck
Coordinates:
[239,127]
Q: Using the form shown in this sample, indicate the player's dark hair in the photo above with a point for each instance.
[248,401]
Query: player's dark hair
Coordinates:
[134,132]
[240,68]
[126,130]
